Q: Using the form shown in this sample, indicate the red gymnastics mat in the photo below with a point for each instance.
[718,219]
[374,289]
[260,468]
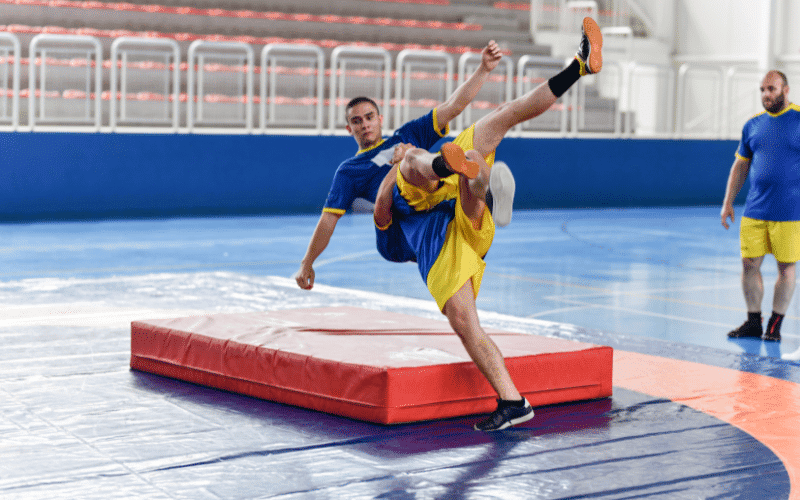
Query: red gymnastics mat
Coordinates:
[376,366]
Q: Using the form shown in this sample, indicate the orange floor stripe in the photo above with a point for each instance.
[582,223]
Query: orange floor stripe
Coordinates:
[766,408]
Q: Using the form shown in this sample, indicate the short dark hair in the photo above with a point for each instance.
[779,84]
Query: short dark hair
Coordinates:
[358,100]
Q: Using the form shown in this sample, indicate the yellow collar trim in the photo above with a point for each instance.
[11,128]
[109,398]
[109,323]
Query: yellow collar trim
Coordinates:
[371,147]
[791,106]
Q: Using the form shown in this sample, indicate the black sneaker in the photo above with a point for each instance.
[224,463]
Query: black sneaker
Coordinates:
[747,329]
[773,332]
[590,50]
[505,417]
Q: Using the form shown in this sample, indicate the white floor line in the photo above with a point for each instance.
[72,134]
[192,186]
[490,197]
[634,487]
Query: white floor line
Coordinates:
[663,316]
[559,311]
[349,256]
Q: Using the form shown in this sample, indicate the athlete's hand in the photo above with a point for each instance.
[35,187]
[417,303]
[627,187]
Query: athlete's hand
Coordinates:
[400,152]
[304,277]
[727,212]
[491,55]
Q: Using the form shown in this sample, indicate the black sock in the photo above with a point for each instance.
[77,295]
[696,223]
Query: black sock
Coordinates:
[502,403]
[440,167]
[774,324]
[754,317]
[564,80]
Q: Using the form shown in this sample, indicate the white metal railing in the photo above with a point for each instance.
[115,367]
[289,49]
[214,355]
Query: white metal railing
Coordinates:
[160,82]
[48,50]
[625,49]
[309,61]
[740,88]
[531,72]
[702,99]
[369,72]
[648,85]
[564,15]
[708,83]
[502,89]
[237,109]
[11,53]
[407,60]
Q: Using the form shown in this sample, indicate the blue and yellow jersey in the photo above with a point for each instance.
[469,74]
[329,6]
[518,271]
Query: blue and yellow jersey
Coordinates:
[361,175]
[771,142]
[432,230]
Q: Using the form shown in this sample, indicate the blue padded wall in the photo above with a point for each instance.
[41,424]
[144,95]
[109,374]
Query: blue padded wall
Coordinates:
[102,175]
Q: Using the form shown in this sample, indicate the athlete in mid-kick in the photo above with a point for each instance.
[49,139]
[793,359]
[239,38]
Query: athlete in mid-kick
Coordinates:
[438,202]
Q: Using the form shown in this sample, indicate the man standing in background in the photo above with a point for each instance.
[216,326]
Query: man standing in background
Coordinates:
[769,152]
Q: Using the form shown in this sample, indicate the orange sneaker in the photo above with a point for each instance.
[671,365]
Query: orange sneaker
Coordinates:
[457,162]
[590,52]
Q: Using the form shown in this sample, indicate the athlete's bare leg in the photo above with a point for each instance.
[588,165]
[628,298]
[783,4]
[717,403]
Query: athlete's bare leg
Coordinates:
[473,191]
[417,169]
[784,287]
[491,129]
[752,283]
[462,314]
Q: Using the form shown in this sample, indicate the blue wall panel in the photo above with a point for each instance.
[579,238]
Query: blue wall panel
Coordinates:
[567,173]
[78,175]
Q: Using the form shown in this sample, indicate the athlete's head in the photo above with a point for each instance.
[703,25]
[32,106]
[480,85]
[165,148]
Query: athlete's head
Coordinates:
[364,121]
[774,91]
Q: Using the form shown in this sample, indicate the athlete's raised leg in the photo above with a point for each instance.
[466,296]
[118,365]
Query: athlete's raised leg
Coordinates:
[491,129]
[424,169]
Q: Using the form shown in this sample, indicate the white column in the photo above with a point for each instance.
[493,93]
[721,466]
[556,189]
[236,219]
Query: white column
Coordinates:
[769,31]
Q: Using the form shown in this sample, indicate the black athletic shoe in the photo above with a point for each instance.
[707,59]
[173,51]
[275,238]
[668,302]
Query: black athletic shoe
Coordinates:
[773,331]
[590,50]
[505,417]
[747,329]
[772,334]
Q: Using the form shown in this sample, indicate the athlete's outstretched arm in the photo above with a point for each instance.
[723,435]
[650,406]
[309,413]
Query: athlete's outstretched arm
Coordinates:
[319,241]
[466,92]
[736,179]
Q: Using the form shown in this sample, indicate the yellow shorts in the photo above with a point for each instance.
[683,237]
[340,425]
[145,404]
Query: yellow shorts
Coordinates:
[461,256]
[760,237]
[421,199]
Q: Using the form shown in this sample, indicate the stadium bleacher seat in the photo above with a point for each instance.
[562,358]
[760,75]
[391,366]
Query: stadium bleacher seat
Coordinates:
[394,25]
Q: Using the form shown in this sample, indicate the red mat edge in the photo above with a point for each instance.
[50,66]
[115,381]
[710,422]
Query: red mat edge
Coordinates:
[359,410]
[383,396]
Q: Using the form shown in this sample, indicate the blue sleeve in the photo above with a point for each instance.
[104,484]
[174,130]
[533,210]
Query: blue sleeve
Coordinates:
[342,193]
[422,132]
[744,151]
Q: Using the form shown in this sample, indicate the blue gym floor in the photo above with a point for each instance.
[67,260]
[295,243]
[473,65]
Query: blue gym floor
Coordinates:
[76,423]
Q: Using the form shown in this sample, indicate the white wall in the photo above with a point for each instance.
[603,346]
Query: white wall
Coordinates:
[662,15]
[729,44]
[721,29]
[760,31]
[789,42]
[751,36]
